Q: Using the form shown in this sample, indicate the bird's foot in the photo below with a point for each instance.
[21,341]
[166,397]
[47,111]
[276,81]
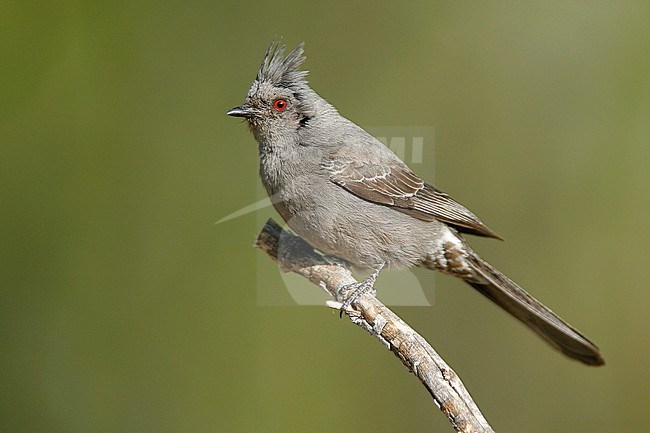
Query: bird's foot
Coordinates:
[351,292]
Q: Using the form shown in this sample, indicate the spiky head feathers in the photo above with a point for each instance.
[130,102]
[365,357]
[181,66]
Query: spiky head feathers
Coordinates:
[280,71]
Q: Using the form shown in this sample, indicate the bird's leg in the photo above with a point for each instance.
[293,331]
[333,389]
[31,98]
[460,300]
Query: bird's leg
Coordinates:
[351,292]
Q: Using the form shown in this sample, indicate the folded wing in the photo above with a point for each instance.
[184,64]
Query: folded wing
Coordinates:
[396,186]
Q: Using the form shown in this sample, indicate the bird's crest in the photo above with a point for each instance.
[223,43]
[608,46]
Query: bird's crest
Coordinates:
[281,71]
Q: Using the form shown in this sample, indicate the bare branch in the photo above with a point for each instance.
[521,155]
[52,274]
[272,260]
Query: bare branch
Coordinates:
[449,394]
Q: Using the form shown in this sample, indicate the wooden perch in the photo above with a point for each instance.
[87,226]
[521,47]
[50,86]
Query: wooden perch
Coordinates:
[449,394]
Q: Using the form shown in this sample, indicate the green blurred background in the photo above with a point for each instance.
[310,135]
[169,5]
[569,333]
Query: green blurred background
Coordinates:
[125,308]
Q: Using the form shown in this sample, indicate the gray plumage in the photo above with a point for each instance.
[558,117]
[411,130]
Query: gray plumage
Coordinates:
[350,196]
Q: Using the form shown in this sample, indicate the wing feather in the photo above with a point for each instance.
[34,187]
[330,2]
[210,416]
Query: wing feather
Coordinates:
[396,186]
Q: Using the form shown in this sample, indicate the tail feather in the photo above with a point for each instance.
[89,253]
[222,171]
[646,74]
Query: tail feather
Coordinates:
[512,298]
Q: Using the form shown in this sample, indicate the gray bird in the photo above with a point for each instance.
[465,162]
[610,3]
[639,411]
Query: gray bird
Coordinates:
[351,197]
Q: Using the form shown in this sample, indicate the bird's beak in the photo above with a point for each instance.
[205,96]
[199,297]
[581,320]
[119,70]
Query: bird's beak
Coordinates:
[243,111]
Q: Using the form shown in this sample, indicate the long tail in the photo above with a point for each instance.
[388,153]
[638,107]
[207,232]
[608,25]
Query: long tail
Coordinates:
[508,295]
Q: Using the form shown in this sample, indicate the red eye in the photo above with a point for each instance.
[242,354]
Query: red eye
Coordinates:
[280,104]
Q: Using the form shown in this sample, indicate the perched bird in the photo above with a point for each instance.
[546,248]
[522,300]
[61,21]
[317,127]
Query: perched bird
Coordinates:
[351,197]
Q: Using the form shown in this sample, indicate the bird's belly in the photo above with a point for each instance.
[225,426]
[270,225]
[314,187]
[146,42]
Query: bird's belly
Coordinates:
[362,233]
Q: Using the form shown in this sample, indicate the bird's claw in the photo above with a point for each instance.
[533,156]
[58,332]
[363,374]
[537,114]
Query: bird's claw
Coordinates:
[351,292]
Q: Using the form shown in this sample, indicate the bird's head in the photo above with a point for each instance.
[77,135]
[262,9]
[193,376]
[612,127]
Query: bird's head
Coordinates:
[279,102]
